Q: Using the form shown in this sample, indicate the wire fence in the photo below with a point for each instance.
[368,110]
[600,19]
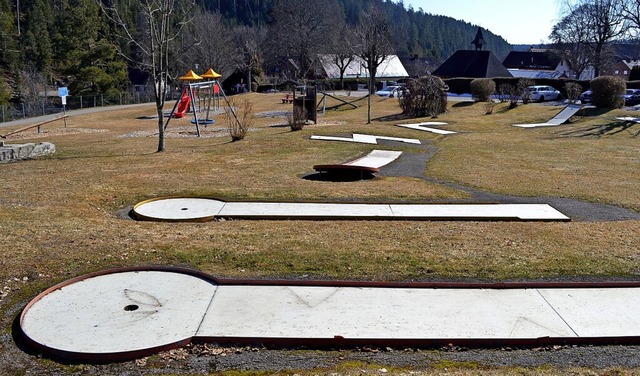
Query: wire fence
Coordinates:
[53,105]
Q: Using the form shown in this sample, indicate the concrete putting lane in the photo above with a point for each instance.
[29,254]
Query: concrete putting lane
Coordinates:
[185,209]
[128,313]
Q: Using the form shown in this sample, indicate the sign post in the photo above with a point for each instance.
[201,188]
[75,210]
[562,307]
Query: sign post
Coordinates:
[63,92]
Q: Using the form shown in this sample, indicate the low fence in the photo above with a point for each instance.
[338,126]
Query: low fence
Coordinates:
[53,105]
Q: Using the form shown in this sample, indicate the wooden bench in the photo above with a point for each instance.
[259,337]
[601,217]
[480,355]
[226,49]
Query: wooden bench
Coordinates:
[288,98]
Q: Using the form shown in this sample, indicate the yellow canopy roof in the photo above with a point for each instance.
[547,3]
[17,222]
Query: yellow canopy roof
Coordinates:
[190,76]
[211,74]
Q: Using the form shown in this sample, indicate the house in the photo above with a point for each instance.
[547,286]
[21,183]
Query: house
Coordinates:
[472,63]
[391,67]
[418,66]
[537,63]
[621,69]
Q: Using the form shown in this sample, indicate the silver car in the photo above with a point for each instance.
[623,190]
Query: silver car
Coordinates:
[541,93]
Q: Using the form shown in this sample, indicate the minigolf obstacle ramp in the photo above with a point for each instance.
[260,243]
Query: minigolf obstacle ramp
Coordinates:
[122,314]
[560,118]
[178,209]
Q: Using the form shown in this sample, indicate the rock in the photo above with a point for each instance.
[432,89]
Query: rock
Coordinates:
[16,152]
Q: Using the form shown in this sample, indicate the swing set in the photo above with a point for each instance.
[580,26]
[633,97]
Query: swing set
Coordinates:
[198,95]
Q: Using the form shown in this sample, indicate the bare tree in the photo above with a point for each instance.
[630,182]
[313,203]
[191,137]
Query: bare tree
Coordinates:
[631,12]
[212,44]
[301,27]
[374,33]
[248,54]
[344,51]
[599,23]
[161,23]
[570,40]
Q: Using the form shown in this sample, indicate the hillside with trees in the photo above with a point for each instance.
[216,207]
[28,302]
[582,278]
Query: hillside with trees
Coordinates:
[49,43]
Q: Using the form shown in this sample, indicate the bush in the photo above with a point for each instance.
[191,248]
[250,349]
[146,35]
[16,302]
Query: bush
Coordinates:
[482,88]
[298,119]
[606,92]
[425,96]
[522,91]
[572,90]
[239,117]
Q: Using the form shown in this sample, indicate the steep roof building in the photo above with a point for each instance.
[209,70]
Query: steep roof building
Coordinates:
[473,63]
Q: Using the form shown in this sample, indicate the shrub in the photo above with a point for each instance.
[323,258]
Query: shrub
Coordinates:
[522,91]
[239,117]
[425,96]
[488,107]
[572,90]
[606,91]
[505,91]
[298,119]
[482,88]
[511,93]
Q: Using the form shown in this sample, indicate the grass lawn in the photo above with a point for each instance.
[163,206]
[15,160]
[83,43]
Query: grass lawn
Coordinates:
[59,214]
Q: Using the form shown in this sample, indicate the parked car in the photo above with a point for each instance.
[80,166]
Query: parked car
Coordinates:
[631,97]
[541,93]
[390,91]
[585,97]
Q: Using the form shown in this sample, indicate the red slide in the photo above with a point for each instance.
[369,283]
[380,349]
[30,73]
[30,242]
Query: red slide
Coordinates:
[183,106]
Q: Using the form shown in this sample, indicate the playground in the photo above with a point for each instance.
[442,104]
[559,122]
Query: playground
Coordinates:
[66,215]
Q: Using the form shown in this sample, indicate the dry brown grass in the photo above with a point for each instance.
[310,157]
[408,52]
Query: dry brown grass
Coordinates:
[58,215]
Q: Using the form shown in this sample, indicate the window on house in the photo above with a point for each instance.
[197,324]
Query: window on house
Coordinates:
[626,72]
[617,72]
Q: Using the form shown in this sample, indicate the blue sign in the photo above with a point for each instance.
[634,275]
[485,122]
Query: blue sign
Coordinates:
[63,92]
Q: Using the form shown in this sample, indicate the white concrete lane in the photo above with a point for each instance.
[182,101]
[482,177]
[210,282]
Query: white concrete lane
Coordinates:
[422,127]
[365,139]
[120,312]
[176,209]
[117,313]
[380,313]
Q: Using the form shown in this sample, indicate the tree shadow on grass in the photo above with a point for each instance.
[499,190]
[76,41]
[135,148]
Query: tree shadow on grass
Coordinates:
[463,104]
[395,117]
[604,130]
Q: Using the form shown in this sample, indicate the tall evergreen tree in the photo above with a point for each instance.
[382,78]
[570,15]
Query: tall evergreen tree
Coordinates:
[37,46]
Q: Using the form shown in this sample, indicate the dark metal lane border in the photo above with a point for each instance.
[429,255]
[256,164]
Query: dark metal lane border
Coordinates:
[337,341]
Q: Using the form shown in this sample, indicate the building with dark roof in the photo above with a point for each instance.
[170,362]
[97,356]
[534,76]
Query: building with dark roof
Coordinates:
[472,63]
[536,63]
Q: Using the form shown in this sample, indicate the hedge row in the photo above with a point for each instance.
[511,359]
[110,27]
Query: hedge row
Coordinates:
[463,85]
[456,85]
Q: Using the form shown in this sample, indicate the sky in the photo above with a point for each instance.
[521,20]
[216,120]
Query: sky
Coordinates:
[517,21]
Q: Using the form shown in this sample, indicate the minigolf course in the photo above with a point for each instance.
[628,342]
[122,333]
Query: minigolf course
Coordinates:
[122,314]
[560,118]
[176,209]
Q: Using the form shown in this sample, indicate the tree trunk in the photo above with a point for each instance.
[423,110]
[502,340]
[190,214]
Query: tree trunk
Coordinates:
[161,145]
[369,109]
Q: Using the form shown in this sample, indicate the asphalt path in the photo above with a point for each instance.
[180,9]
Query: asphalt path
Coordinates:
[89,110]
